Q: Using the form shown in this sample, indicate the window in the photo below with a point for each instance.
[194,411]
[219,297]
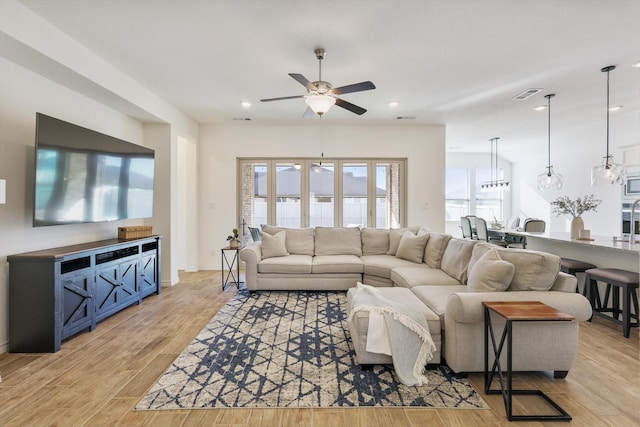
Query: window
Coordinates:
[321,194]
[308,192]
[456,193]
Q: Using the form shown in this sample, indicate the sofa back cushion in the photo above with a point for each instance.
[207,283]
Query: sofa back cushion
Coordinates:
[338,241]
[435,249]
[411,247]
[375,241]
[395,234]
[456,256]
[534,271]
[299,241]
[490,274]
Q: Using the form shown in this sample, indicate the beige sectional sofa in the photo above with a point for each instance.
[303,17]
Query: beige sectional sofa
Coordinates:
[448,278]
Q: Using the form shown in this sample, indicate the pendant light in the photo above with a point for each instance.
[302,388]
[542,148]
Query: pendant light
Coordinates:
[497,184]
[608,172]
[549,180]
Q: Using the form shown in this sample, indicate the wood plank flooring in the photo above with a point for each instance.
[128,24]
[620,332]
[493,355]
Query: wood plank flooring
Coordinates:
[98,377]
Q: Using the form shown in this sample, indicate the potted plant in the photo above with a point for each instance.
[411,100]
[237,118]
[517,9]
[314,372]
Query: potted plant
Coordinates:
[563,205]
[233,239]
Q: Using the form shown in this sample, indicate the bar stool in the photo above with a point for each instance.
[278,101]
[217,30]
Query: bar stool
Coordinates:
[621,279]
[573,266]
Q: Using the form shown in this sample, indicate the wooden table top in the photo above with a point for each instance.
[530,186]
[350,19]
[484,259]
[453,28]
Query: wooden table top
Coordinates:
[526,310]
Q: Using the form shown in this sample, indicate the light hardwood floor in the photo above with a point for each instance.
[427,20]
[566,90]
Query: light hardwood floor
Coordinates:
[98,377]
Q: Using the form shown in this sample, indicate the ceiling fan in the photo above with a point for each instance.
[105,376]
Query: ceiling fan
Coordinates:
[322,95]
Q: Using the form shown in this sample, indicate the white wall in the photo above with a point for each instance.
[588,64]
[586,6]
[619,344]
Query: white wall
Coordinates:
[574,152]
[186,241]
[43,69]
[220,145]
[22,94]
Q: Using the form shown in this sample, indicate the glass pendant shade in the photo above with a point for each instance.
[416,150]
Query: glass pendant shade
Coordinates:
[608,172]
[320,104]
[549,180]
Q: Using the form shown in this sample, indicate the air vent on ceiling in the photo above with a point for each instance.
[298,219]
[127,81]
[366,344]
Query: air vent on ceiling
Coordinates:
[526,94]
[242,118]
[405,118]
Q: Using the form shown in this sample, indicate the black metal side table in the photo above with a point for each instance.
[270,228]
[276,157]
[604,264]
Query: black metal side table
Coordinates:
[228,265]
[516,311]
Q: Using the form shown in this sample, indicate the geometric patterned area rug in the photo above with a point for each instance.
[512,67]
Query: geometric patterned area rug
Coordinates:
[290,349]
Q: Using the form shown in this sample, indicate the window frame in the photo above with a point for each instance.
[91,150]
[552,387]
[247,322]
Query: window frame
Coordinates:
[337,162]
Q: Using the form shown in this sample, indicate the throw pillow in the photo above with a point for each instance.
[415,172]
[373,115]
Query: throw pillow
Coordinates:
[411,247]
[395,234]
[273,246]
[490,274]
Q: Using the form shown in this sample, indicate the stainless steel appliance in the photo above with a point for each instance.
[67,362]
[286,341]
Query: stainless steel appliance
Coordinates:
[626,219]
[631,188]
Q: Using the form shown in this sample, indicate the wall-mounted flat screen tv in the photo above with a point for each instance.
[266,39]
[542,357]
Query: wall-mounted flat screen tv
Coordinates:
[86,176]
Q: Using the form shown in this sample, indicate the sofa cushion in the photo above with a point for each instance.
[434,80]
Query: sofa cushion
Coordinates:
[534,270]
[490,274]
[435,297]
[421,275]
[381,265]
[455,258]
[338,241]
[299,241]
[435,249]
[289,264]
[478,251]
[273,245]
[337,264]
[375,241]
[395,234]
[411,247]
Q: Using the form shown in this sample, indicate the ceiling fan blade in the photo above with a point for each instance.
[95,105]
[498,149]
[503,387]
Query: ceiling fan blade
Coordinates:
[356,87]
[308,113]
[303,81]
[349,106]
[281,98]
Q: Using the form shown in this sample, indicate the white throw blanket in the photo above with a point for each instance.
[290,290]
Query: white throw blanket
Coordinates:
[407,329]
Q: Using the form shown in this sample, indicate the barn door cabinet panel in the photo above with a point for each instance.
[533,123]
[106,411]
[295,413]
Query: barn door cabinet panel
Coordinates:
[57,293]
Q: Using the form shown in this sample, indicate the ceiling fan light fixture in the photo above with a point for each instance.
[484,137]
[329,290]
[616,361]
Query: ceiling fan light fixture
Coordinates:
[320,104]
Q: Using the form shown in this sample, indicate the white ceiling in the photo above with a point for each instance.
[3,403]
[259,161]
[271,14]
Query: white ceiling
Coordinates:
[452,62]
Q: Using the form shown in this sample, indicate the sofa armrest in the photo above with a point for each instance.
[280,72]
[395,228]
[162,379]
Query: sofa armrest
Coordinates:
[565,283]
[468,308]
[251,255]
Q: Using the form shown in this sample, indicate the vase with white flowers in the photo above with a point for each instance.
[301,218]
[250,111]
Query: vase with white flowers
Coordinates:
[563,205]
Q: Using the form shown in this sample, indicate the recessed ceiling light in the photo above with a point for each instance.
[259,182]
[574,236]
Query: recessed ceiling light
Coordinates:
[540,108]
[245,104]
[394,104]
[636,65]
[615,108]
